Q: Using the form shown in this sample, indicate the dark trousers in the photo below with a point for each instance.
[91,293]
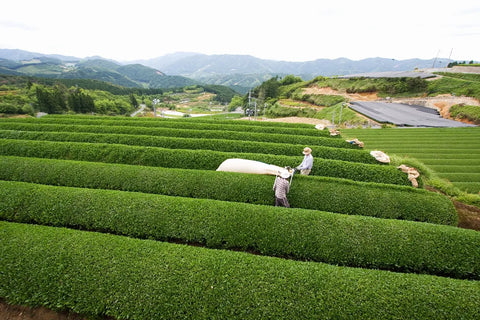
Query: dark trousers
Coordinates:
[282,202]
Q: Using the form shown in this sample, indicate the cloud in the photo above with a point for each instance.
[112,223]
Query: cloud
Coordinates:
[8,24]
[297,30]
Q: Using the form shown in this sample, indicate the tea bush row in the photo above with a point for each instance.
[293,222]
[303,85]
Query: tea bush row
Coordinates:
[448,159]
[192,159]
[461,177]
[445,148]
[457,169]
[319,193]
[169,123]
[180,133]
[196,119]
[428,150]
[337,239]
[101,274]
[194,144]
[471,187]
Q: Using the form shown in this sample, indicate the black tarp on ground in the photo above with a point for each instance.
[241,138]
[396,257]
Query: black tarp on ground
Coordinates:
[404,114]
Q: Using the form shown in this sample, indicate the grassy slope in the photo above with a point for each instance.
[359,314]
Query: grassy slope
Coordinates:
[450,153]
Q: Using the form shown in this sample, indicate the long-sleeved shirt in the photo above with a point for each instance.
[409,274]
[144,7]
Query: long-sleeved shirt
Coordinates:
[281,187]
[307,163]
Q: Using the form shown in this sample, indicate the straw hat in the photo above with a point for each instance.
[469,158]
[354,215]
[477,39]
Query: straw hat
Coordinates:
[307,150]
[285,174]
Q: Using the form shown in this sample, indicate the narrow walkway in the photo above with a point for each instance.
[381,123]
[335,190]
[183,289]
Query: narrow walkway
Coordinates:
[142,107]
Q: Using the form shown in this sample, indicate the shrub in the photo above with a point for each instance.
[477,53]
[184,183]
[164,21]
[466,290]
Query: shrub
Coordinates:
[471,113]
[327,194]
[194,144]
[194,125]
[192,159]
[296,233]
[100,274]
[9,108]
[277,111]
[179,133]
[212,119]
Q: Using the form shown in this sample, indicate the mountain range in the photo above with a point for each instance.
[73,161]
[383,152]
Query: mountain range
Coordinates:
[239,72]
[197,65]
[19,62]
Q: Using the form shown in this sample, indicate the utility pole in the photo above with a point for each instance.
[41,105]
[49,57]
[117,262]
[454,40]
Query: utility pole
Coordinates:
[449,57]
[433,66]
[155,101]
[340,118]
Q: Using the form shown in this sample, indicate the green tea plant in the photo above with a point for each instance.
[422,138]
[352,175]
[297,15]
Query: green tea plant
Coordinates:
[319,193]
[102,274]
[192,159]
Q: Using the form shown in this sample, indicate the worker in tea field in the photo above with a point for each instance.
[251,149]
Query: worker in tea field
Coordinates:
[306,166]
[281,186]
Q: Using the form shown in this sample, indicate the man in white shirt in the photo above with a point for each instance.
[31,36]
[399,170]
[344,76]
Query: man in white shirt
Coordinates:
[306,166]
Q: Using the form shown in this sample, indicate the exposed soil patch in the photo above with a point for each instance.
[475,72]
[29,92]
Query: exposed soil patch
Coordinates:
[14,116]
[16,312]
[468,216]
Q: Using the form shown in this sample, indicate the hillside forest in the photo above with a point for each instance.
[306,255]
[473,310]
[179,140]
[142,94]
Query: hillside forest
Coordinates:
[29,95]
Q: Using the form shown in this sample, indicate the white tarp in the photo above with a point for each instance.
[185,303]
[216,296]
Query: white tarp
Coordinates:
[249,166]
[380,156]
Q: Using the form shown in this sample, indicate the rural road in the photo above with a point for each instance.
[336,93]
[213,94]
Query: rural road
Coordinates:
[404,114]
[142,107]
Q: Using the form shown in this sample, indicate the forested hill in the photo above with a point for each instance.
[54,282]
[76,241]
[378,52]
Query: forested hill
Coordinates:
[130,75]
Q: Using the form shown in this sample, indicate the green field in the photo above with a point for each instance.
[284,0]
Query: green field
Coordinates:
[125,218]
[452,153]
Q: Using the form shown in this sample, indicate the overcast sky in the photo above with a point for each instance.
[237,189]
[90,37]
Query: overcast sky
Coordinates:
[293,30]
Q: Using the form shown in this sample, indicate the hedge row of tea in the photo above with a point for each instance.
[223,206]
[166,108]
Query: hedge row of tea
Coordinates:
[98,274]
[179,133]
[438,148]
[125,278]
[318,193]
[194,144]
[183,120]
[192,159]
[190,125]
[299,234]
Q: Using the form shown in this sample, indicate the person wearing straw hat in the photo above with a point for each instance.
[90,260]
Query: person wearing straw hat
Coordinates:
[281,186]
[306,166]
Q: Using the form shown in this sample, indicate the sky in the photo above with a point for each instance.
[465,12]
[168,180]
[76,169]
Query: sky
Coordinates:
[293,30]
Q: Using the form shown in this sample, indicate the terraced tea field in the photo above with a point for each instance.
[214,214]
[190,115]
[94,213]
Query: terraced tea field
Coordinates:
[122,218]
[453,153]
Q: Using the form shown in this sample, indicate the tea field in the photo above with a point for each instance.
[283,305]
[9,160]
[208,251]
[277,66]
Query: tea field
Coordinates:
[127,218]
[452,153]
